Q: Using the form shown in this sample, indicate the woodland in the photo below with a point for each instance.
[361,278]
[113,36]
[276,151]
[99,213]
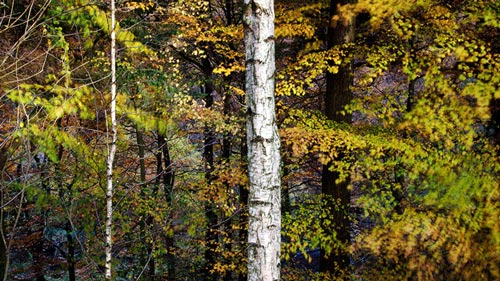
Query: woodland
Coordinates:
[388,113]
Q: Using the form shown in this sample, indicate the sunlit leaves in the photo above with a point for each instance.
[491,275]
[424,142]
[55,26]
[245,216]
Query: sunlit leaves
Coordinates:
[303,230]
[423,172]
[418,181]
[133,5]
[300,76]
[298,22]
[87,16]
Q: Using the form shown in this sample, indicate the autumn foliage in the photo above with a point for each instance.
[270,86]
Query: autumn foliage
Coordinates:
[421,155]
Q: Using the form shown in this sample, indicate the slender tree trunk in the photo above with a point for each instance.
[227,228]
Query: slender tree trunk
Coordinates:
[495,122]
[263,142]
[70,257]
[286,204]
[66,197]
[338,95]
[410,102]
[211,215]
[111,149]
[226,154]
[243,200]
[3,239]
[158,180]
[8,242]
[168,185]
[141,154]
[145,259]
[228,11]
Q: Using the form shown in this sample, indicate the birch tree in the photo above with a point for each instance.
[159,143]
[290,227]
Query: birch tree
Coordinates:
[263,143]
[111,148]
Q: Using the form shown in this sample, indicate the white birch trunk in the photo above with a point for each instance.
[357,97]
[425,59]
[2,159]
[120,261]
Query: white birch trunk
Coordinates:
[111,148]
[263,143]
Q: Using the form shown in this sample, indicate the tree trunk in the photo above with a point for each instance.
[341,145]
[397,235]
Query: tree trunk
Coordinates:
[226,154]
[146,257]
[338,95]
[243,200]
[168,188]
[208,154]
[70,257]
[228,11]
[3,239]
[263,142]
[111,149]
[495,123]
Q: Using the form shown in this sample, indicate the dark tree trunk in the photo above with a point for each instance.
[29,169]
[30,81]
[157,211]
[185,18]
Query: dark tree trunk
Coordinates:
[3,246]
[66,196]
[338,95]
[495,123]
[286,204]
[411,95]
[141,154]
[144,256]
[228,10]
[70,258]
[243,233]
[410,102]
[211,239]
[168,185]
[226,153]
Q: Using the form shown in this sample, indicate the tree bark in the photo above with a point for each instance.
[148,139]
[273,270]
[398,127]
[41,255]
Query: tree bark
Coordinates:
[146,257]
[168,188]
[3,239]
[338,95]
[228,11]
[208,154]
[70,257]
[243,201]
[111,149]
[226,154]
[263,142]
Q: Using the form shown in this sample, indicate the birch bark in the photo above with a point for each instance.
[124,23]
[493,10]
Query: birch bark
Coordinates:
[263,143]
[111,148]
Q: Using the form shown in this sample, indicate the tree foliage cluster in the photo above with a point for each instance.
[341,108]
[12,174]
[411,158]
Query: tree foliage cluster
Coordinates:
[420,157]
